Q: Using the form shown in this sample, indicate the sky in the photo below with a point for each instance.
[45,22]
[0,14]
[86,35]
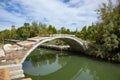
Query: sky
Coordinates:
[71,14]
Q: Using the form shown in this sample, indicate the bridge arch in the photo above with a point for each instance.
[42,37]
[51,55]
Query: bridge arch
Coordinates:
[75,43]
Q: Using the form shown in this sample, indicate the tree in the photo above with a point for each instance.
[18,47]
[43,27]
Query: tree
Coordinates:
[13,33]
[63,30]
[35,30]
[68,31]
[83,33]
[51,29]
[108,31]
[6,34]
[26,24]
[43,28]
[23,32]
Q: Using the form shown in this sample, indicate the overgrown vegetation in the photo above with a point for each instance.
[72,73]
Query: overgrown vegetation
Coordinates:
[105,34]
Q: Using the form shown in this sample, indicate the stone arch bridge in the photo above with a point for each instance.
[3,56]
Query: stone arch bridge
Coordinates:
[76,44]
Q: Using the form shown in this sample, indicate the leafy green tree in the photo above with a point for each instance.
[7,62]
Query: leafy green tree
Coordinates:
[13,33]
[83,33]
[107,34]
[6,34]
[51,29]
[26,25]
[68,31]
[23,32]
[63,30]
[54,30]
[43,28]
[35,30]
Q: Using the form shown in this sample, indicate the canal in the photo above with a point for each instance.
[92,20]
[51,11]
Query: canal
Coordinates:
[45,64]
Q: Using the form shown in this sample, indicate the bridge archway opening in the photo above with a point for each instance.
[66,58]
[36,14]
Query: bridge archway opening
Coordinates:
[57,42]
[75,44]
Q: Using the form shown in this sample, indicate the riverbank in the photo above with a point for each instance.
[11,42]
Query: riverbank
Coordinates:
[55,47]
[67,48]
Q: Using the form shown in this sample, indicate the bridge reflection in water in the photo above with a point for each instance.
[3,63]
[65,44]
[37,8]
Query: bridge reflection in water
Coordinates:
[41,59]
[42,62]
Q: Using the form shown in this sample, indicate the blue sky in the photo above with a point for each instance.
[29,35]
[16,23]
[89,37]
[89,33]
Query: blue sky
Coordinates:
[71,14]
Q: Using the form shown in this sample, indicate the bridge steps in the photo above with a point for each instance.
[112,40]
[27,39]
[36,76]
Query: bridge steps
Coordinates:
[17,77]
[16,72]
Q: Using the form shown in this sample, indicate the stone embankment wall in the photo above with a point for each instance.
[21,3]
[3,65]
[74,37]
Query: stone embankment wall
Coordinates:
[56,47]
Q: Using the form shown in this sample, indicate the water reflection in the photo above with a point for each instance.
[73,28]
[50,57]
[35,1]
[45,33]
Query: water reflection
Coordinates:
[48,65]
[85,74]
[42,64]
[38,60]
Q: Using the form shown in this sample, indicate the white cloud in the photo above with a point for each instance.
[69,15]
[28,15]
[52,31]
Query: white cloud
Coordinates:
[75,13]
[7,19]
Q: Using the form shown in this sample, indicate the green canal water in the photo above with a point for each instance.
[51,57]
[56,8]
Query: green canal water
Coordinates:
[45,64]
